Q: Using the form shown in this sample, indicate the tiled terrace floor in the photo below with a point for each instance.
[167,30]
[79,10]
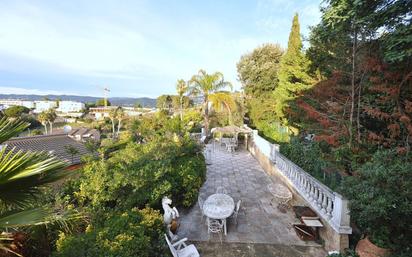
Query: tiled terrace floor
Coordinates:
[259,222]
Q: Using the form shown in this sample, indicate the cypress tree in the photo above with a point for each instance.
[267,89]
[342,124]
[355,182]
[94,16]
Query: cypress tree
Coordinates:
[293,72]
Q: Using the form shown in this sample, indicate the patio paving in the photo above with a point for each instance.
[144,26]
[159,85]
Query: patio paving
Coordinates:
[259,221]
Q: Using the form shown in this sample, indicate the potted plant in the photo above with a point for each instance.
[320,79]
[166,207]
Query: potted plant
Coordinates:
[380,203]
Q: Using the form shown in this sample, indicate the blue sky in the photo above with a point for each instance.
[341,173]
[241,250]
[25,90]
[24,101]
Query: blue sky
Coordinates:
[136,48]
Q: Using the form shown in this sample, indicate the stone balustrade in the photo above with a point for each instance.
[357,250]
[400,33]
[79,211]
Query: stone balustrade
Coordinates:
[331,206]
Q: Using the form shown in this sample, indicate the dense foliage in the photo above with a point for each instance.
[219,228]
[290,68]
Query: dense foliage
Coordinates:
[122,234]
[24,177]
[16,111]
[293,73]
[141,174]
[172,102]
[312,157]
[123,193]
[258,70]
[381,199]
[352,92]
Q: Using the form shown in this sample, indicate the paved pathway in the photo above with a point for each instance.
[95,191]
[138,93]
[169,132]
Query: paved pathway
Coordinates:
[259,222]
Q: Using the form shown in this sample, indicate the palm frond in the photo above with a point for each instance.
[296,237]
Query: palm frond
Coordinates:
[10,128]
[22,174]
[39,216]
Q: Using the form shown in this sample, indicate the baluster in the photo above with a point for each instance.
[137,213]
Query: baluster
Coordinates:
[319,201]
[310,191]
[315,195]
[329,208]
[307,187]
[324,203]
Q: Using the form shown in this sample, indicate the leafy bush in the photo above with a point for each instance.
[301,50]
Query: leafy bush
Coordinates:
[130,233]
[380,199]
[192,120]
[16,111]
[36,132]
[159,124]
[143,173]
[119,192]
[310,157]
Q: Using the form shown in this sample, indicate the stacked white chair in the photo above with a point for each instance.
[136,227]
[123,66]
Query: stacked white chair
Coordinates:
[181,249]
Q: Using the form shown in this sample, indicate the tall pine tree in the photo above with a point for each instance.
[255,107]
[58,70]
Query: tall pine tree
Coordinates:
[293,73]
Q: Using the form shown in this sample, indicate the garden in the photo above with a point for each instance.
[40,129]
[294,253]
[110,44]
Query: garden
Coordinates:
[117,198]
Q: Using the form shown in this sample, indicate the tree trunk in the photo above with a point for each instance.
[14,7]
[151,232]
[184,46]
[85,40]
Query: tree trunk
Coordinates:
[358,113]
[181,108]
[45,127]
[113,129]
[352,108]
[51,127]
[206,116]
[118,127]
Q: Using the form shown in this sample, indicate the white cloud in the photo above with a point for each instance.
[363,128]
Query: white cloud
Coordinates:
[31,91]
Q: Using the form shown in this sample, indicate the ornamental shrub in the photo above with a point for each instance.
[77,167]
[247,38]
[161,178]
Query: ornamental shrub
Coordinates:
[380,196]
[310,156]
[130,233]
[142,174]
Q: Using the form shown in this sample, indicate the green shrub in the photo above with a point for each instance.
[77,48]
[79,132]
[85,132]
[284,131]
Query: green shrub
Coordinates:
[311,158]
[381,199]
[36,132]
[130,233]
[142,174]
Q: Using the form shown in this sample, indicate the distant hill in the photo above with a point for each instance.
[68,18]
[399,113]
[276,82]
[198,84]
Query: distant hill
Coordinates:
[123,101]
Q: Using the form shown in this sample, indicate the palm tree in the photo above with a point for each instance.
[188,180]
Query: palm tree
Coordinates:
[51,114]
[181,88]
[22,177]
[206,84]
[43,118]
[121,115]
[223,99]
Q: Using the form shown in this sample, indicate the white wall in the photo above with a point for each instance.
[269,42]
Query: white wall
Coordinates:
[44,106]
[70,106]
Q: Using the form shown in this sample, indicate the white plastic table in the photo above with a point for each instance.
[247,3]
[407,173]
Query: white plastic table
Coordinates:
[219,206]
[280,192]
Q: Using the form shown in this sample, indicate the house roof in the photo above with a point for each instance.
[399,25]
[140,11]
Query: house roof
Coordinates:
[84,132]
[53,144]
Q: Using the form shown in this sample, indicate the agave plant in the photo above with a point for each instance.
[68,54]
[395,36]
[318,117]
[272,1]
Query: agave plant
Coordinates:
[22,177]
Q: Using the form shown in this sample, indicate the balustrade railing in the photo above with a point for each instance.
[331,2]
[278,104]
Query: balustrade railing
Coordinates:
[330,205]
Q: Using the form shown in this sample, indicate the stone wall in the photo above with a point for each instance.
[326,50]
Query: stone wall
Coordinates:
[332,239]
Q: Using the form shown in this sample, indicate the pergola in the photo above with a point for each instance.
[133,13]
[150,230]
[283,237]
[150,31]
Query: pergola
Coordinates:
[232,130]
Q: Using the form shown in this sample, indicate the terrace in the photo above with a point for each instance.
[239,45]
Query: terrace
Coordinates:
[262,228]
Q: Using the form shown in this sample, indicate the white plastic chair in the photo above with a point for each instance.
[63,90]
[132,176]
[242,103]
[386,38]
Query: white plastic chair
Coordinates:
[215,227]
[221,190]
[180,249]
[236,211]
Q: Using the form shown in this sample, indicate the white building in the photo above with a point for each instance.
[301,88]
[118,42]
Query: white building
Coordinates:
[41,106]
[15,102]
[70,106]
[101,112]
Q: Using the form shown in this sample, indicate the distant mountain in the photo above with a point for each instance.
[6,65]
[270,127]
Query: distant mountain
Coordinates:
[123,101]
